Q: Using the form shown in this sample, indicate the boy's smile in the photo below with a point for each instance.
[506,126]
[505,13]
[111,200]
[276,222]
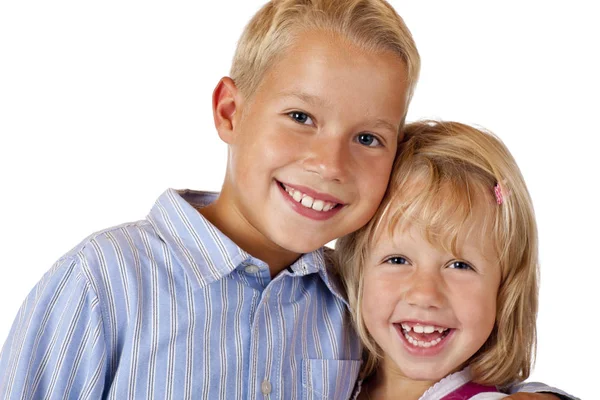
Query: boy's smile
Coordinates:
[310,152]
[311,204]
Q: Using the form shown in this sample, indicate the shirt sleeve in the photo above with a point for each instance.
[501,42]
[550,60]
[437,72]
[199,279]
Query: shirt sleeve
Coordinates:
[56,347]
[538,387]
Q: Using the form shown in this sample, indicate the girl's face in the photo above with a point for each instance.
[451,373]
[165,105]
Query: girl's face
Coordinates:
[428,310]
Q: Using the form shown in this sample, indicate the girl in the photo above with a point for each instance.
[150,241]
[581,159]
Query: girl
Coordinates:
[443,282]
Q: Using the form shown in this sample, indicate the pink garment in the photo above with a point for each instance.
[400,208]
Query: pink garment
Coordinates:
[469,390]
[456,386]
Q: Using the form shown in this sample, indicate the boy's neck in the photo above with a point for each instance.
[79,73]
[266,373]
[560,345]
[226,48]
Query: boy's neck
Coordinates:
[385,384]
[229,221]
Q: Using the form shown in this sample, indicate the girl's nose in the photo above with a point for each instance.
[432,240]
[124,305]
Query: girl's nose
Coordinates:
[425,291]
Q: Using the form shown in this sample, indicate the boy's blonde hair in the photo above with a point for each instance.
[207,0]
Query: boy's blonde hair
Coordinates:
[373,25]
[462,164]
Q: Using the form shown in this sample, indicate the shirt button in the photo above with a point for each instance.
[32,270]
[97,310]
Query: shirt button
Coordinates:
[265,387]
[252,269]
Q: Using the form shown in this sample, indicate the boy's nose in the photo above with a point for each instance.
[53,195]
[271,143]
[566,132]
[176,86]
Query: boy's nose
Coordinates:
[328,158]
[425,291]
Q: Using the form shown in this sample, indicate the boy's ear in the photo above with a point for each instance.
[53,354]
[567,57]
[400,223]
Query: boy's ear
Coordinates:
[225,104]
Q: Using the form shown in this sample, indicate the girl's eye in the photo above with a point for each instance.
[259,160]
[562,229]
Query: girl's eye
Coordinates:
[397,260]
[366,139]
[459,265]
[301,118]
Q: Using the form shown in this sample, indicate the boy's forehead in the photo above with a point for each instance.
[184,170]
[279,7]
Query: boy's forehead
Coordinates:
[328,71]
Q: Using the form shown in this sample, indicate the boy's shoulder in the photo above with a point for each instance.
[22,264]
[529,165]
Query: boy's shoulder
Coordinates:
[106,255]
[121,251]
[173,240]
[104,236]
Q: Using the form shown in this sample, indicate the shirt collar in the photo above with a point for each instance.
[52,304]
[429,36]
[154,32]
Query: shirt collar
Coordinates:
[205,253]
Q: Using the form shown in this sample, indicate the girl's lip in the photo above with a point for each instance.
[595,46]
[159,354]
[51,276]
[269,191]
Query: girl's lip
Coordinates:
[424,351]
[422,322]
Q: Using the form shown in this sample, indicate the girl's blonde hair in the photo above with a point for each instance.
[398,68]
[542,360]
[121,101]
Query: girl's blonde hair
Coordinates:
[463,164]
[373,25]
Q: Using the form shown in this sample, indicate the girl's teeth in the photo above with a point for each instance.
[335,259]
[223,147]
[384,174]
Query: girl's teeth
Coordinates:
[309,202]
[423,328]
[420,343]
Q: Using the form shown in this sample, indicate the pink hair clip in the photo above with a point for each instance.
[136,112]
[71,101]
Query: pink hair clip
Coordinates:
[498,193]
[501,192]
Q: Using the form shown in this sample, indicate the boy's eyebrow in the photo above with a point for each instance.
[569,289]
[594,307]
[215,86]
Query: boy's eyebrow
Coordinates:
[381,123]
[307,98]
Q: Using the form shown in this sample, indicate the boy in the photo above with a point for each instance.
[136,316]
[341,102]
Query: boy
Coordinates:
[229,296]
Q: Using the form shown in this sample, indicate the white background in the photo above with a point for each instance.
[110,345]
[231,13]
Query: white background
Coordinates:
[104,105]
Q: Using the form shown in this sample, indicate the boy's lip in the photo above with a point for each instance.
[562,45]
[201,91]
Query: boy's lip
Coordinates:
[304,211]
[314,194]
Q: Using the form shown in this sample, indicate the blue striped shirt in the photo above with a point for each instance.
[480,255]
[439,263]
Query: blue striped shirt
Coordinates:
[170,308]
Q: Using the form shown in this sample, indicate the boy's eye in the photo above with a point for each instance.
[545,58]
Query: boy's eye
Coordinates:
[366,139]
[397,260]
[459,265]
[301,118]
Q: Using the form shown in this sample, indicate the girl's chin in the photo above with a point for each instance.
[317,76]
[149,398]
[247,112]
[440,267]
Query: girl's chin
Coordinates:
[424,373]
[425,376]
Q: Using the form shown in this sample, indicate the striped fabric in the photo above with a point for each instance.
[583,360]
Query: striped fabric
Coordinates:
[170,308]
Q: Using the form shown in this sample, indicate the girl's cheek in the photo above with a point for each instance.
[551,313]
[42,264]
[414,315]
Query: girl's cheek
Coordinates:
[380,294]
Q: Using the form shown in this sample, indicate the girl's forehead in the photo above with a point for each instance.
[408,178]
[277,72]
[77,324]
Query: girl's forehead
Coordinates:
[445,219]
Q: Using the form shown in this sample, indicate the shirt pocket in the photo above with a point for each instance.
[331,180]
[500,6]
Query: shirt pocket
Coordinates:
[329,379]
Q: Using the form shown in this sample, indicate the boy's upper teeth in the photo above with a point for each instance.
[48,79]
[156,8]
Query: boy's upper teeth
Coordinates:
[307,201]
[423,328]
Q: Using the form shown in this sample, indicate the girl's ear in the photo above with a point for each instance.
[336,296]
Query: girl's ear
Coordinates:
[225,104]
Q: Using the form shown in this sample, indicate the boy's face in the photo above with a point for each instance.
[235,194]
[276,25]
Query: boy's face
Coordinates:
[428,310]
[311,151]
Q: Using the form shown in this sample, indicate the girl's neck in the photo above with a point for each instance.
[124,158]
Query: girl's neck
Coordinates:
[386,384]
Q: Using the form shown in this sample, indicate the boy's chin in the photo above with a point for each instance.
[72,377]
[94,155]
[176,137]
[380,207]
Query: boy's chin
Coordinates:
[306,248]
[301,241]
